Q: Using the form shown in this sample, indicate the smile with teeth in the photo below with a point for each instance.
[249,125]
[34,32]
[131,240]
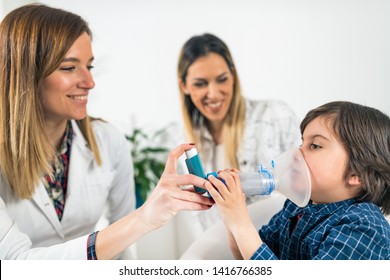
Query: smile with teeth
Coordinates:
[79,97]
[214,105]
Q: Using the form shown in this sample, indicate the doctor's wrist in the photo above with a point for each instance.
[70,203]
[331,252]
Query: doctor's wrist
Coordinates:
[91,246]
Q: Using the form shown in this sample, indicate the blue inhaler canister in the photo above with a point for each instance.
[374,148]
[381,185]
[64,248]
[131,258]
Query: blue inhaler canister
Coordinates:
[195,167]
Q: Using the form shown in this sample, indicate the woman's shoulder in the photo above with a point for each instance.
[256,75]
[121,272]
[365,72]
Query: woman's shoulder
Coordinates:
[104,129]
[108,136]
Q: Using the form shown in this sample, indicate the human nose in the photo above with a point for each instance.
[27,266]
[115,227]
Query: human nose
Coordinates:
[301,150]
[213,90]
[87,80]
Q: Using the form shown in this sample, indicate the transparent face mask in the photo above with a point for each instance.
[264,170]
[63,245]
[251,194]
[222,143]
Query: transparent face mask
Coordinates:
[287,174]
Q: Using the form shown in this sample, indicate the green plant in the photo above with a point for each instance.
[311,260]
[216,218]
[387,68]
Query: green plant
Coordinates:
[148,160]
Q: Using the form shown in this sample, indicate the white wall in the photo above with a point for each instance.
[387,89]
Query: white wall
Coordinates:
[306,52]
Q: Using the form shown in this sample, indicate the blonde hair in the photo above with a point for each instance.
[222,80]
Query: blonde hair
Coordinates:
[33,41]
[233,125]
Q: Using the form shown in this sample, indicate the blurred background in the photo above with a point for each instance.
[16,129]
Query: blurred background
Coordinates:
[306,52]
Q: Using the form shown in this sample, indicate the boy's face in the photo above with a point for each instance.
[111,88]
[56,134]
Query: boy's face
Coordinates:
[327,160]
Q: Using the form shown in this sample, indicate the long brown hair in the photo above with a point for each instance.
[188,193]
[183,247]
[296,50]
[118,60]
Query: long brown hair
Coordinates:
[194,48]
[365,134]
[34,39]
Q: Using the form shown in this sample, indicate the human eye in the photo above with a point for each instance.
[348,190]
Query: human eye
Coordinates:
[67,68]
[90,67]
[200,84]
[315,146]
[222,79]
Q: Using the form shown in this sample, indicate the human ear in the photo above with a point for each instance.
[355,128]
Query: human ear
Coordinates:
[354,180]
[183,87]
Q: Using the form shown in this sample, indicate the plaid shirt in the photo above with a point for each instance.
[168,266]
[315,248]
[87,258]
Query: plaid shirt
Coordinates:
[342,230]
[56,187]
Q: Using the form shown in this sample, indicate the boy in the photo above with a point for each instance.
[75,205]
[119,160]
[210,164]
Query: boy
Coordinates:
[347,149]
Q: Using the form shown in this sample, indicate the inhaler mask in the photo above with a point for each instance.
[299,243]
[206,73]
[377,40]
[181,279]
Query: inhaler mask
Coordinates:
[287,173]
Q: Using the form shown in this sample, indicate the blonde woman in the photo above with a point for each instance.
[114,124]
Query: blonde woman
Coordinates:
[59,168]
[228,129]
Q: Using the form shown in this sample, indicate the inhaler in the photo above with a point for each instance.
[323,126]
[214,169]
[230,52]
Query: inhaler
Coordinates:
[195,167]
[287,174]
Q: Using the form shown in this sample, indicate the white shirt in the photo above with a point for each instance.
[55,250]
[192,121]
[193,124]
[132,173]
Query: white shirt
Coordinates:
[219,161]
[271,127]
[91,189]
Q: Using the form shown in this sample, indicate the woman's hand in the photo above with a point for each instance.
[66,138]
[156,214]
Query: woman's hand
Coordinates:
[168,198]
[164,202]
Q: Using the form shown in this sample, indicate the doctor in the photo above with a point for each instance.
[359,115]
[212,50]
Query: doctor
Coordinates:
[59,167]
[230,130]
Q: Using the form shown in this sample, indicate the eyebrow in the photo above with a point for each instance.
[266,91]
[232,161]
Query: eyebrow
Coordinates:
[315,136]
[74,59]
[202,79]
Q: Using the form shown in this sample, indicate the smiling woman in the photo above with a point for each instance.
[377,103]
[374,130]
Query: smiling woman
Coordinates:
[52,151]
[65,91]
[228,129]
[210,86]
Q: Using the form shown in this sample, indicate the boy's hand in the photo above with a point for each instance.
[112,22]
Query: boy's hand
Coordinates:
[243,237]
[229,197]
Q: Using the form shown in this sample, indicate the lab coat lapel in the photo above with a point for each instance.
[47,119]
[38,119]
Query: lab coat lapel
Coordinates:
[44,202]
[81,158]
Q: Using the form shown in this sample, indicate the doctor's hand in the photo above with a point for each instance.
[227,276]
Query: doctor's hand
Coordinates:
[168,198]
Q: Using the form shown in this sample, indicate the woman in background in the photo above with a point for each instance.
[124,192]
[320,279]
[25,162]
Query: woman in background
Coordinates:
[228,129]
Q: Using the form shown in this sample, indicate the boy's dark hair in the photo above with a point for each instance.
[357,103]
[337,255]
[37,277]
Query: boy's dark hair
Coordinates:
[365,134]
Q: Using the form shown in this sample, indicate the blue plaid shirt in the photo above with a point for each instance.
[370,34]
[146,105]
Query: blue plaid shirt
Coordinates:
[342,230]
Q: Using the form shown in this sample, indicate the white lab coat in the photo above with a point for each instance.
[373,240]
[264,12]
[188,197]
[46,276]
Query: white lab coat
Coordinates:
[91,189]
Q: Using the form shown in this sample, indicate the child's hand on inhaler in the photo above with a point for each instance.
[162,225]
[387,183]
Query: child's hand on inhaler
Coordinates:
[221,173]
[216,175]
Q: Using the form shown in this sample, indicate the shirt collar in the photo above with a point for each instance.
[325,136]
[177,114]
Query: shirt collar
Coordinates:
[67,140]
[327,208]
